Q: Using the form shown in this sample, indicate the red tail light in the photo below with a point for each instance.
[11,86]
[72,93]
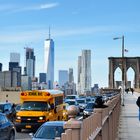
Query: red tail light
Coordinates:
[23,94]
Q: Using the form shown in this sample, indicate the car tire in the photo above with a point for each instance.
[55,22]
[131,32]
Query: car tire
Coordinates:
[18,129]
[12,135]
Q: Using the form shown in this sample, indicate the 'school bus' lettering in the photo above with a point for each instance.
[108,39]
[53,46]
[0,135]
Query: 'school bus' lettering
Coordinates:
[35,93]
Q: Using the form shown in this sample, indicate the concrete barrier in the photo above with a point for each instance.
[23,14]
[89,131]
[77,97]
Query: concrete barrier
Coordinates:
[10,96]
[101,125]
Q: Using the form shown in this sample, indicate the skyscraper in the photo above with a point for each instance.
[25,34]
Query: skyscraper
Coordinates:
[14,65]
[15,57]
[29,69]
[49,61]
[63,77]
[71,78]
[84,71]
[79,74]
[42,77]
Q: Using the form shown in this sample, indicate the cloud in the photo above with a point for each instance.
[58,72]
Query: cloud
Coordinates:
[50,5]
[21,8]
[37,7]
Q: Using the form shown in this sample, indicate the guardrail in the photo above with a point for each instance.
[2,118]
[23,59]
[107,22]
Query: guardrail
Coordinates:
[102,125]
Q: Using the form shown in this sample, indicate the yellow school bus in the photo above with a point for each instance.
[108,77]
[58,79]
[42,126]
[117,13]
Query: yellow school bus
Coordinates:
[37,107]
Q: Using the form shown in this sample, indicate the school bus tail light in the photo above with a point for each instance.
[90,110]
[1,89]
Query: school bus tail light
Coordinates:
[23,94]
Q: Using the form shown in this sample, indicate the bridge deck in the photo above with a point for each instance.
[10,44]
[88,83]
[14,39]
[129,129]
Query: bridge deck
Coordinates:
[129,126]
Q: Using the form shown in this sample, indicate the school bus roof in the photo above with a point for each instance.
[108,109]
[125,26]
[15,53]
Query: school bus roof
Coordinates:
[52,91]
[40,95]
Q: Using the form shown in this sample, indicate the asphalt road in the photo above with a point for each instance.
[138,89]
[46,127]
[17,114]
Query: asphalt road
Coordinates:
[24,135]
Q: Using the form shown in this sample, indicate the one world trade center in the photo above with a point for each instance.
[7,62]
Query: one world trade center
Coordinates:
[49,61]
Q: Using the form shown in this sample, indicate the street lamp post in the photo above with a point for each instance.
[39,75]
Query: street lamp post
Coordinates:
[123,81]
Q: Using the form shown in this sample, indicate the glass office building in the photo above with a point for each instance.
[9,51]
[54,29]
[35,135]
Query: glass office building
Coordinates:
[49,62]
[29,70]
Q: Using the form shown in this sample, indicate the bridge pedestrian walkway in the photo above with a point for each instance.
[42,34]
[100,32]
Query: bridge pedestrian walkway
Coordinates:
[129,125]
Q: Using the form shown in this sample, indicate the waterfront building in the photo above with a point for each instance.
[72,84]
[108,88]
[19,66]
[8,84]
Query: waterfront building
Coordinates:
[49,61]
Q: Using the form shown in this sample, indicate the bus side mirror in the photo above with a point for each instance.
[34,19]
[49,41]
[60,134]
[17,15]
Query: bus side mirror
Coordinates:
[52,106]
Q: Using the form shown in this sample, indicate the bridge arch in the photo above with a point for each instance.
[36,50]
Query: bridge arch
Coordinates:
[129,62]
[130,77]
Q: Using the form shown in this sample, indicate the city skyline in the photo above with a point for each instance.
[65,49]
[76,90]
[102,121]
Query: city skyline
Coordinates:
[75,25]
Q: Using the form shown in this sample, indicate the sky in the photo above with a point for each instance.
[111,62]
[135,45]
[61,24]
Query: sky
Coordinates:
[75,25]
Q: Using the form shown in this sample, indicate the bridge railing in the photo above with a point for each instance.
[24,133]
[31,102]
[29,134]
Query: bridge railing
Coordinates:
[102,125]
[137,90]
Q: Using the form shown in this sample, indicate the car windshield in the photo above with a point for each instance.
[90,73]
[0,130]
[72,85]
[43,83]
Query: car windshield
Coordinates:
[90,106]
[71,102]
[34,105]
[70,97]
[81,101]
[88,99]
[49,132]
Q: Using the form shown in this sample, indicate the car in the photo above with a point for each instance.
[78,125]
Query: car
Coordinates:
[71,102]
[93,98]
[105,98]
[8,109]
[49,130]
[88,99]
[81,104]
[88,110]
[7,130]
[71,97]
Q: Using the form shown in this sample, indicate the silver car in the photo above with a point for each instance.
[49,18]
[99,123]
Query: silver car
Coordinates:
[49,131]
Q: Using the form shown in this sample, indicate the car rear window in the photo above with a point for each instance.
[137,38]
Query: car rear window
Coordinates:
[49,132]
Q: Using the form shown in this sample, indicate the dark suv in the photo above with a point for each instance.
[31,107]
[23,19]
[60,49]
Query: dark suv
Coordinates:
[8,109]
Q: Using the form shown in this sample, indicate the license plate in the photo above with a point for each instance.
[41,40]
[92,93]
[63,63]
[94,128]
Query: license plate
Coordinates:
[28,126]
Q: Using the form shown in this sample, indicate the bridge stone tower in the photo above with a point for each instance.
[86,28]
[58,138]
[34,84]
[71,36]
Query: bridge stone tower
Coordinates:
[133,62]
